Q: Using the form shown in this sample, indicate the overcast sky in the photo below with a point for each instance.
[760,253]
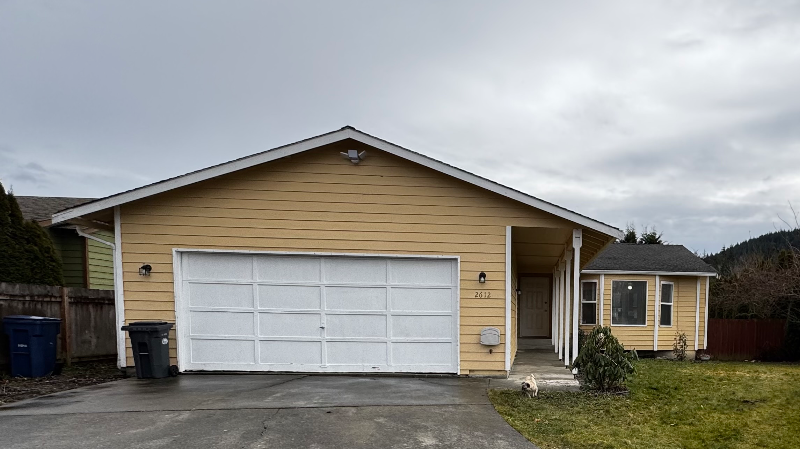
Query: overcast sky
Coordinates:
[679,115]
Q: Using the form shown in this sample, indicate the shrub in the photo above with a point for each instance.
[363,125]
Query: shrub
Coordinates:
[603,361]
[679,346]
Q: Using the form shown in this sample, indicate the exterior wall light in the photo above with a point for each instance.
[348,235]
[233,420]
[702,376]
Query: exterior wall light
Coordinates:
[354,156]
[145,270]
[482,277]
[519,292]
[630,287]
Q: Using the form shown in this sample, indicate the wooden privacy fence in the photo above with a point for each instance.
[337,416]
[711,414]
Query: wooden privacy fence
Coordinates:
[745,339]
[87,318]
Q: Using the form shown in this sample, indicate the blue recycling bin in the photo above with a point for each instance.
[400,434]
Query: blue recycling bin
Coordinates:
[32,341]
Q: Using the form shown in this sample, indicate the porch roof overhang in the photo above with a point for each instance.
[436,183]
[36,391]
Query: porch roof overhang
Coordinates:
[539,250]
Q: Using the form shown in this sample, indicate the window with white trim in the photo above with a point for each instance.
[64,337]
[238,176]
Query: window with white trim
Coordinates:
[629,303]
[589,302]
[665,313]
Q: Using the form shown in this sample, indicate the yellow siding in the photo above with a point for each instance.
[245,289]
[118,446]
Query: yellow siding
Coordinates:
[318,201]
[683,315]
[683,318]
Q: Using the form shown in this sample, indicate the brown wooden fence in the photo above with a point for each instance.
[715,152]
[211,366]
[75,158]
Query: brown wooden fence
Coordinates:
[88,327]
[745,339]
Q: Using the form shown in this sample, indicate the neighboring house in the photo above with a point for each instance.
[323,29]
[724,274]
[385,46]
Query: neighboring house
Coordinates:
[86,262]
[647,294]
[338,253]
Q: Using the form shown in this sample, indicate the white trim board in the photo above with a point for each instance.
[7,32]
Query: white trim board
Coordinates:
[508,302]
[315,142]
[119,292]
[659,273]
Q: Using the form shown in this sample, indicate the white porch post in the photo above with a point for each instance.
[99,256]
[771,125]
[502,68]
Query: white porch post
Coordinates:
[566,309]
[561,310]
[577,242]
[553,329]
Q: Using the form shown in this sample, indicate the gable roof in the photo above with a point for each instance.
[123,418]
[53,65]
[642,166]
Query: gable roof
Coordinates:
[650,259]
[347,132]
[39,208]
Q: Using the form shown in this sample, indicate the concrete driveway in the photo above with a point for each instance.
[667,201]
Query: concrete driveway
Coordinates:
[263,411]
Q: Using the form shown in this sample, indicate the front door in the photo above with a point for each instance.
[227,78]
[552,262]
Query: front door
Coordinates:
[534,305]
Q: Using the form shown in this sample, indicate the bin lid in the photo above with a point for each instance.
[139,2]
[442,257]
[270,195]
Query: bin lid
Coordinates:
[147,326]
[29,318]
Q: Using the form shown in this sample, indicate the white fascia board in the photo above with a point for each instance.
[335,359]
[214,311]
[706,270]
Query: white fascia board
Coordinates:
[325,139]
[659,273]
[200,175]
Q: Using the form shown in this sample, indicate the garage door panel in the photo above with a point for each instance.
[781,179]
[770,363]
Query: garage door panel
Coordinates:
[355,298]
[317,313]
[288,269]
[421,272]
[289,297]
[234,352]
[221,323]
[356,353]
[423,353]
[289,324]
[355,326]
[415,326]
[291,352]
[422,299]
[344,270]
[221,295]
[218,266]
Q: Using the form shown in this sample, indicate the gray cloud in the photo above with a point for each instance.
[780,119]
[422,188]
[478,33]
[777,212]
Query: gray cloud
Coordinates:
[680,115]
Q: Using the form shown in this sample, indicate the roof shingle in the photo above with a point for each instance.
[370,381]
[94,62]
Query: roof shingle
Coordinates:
[649,258]
[40,208]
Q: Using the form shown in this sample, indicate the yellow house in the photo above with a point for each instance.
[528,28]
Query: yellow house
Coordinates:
[342,253]
[647,294]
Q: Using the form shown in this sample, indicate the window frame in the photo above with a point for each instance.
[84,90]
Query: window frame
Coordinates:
[590,281]
[646,301]
[671,304]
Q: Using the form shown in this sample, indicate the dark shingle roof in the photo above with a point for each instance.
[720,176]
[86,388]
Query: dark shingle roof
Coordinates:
[43,207]
[651,258]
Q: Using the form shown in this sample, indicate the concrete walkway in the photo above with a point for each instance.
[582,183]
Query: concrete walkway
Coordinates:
[263,411]
[536,355]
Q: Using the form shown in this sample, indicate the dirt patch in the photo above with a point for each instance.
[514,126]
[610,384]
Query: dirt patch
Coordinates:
[14,389]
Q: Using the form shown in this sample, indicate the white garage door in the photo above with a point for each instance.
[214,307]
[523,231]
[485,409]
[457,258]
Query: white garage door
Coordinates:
[262,312]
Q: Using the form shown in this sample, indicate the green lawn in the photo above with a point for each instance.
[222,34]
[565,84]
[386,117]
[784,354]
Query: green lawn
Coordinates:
[671,405]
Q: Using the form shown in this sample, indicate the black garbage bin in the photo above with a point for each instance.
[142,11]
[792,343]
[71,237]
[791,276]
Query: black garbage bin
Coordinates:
[150,342]
[32,344]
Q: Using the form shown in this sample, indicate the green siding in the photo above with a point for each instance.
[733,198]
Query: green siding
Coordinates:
[101,262]
[70,247]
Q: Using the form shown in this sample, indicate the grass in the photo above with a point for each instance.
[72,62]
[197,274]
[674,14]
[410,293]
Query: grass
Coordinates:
[671,405]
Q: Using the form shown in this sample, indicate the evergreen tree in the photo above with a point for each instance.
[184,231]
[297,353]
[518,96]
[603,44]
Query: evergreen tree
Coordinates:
[630,234]
[649,237]
[43,262]
[27,255]
[6,243]
[18,252]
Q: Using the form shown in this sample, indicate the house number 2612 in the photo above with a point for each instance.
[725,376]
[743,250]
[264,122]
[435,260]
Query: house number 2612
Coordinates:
[483,294]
